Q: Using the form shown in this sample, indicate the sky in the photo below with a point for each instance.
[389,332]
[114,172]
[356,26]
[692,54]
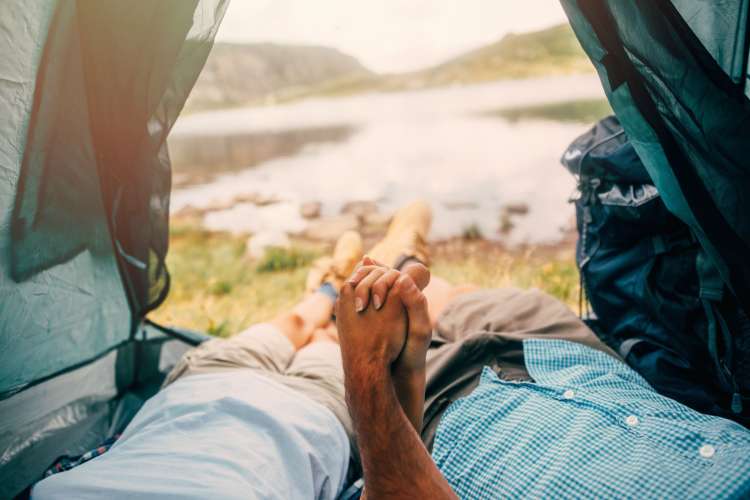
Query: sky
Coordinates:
[387,35]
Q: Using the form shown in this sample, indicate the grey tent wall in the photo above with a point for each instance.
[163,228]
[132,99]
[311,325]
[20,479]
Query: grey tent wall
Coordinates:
[73,413]
[76,359]
[112,81]
[77,309]
[85,207]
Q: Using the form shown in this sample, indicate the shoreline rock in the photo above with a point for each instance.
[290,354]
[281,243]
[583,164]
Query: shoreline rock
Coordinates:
[310,209]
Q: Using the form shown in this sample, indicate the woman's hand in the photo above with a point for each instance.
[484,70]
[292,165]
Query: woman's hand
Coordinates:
[373,280]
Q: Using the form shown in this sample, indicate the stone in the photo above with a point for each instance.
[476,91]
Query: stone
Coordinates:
[330,228]
[257,199]
[359,208]
[519,208]
[189,211]
[310,209]
[506,223]
[460,205]
[377,220]
[257,244]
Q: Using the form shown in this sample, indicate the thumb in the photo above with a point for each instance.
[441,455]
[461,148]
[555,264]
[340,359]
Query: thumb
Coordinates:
[344,303]
[419,273]
[369,261]
[416,306]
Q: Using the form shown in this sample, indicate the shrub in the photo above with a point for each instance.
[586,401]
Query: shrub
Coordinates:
[282,259]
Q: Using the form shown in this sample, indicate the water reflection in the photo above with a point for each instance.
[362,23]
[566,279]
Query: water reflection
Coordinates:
[198,158]
[438,144]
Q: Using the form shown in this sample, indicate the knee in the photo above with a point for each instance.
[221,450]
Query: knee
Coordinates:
[292,323]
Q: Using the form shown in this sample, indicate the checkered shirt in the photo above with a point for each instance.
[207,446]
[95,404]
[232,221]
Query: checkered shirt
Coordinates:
[588,427]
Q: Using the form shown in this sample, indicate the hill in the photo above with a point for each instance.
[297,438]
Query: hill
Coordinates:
[551,51]
[253,74]
[243,74]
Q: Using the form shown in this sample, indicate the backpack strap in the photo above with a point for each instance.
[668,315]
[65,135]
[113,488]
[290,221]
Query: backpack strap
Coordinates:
[711,294]
[627,345]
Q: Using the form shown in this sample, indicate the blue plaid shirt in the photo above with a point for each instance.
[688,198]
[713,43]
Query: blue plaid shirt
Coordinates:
[588,427]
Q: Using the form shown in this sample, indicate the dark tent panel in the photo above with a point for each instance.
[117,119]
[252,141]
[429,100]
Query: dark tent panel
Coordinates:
[686,118]
[681,96]
[112,80]
[722,27]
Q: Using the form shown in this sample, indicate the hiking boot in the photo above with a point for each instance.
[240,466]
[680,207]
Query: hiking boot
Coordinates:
[406,238]
[334,270]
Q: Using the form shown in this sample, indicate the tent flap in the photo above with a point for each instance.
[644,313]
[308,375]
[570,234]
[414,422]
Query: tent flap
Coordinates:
[89,94]
[72,413]
[113,78]
[676,88]
[684,113]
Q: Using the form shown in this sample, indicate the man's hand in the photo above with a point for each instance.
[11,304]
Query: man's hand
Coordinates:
[374,283]
[370,338]
[383,350]
[403,298]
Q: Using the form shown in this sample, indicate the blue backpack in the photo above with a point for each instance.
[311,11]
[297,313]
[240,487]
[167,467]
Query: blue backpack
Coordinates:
[656,298]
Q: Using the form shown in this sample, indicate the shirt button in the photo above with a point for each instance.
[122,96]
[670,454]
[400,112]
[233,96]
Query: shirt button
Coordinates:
[631,420]
[569,394]
[707,451]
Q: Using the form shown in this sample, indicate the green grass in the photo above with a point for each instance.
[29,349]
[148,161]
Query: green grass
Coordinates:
[281,259]
[216,289]
[581,111]
[557,276]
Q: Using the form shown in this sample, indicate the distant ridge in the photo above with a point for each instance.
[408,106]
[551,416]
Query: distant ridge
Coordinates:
[550,51]
[256,74]
[243,74]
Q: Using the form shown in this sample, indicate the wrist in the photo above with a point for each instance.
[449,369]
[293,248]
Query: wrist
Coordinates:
[361,368]
[365,382]
[408,374]
[409,385]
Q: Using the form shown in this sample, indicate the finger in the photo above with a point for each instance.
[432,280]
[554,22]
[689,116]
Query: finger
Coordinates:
[380,288]
[359,273]
[415,303]
[419,273]
[362,290]
[344,308]
[345,300]
[369,261]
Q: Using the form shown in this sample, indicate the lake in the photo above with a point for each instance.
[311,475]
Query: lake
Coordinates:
[448,146]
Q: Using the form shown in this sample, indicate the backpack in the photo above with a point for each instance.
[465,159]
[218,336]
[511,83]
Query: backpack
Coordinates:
[656,298]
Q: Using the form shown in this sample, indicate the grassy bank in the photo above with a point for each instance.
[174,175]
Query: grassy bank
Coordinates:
[216,289]
[580,111]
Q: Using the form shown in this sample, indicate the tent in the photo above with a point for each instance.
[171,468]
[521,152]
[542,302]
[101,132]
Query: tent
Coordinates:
[89,90]
[676,75]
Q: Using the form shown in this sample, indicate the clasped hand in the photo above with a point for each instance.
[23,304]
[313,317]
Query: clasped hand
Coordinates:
[382,318]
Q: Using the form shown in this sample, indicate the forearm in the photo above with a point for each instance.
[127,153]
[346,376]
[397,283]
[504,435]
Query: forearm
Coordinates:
[396,464]
[410,386]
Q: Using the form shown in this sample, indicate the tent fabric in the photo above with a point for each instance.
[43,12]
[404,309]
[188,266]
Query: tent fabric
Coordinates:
[85,208]
[686,112]
[88,92]
[113,78]
[72,413]
[71,312]
[721,26]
